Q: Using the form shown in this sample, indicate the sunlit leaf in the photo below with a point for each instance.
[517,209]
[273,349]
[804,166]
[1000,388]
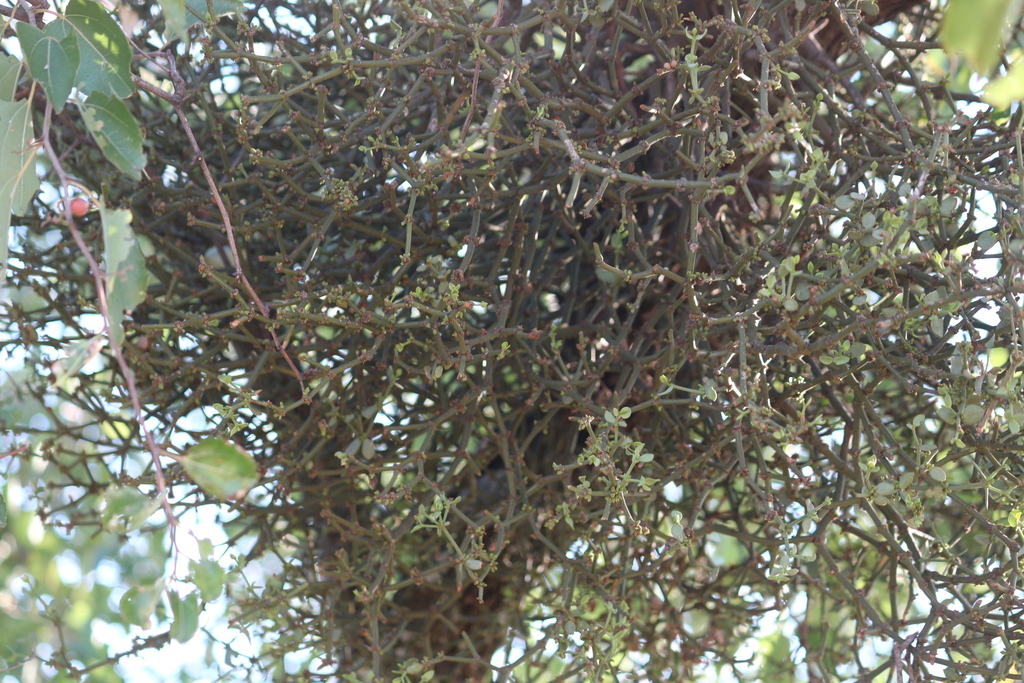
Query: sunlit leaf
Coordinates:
[18,180]
[998,356]
[116,132]
[975,28]
[104,53]
[776,657]
[174,17]
[208,577]
[125,268]
[139,602]
[3,511]
[1004,91]
[220,468]
[186,616]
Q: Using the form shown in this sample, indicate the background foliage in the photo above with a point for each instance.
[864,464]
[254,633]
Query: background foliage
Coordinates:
[542,341]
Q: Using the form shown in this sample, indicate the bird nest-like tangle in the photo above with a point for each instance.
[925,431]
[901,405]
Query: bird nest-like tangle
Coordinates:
[611,337]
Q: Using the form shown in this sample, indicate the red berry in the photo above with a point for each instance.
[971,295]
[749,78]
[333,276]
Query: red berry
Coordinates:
[79,207]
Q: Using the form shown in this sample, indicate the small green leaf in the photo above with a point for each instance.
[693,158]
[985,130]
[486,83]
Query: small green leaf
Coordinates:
[50,61]
[208,577]
[10,72]
[125,268]
[998,356]
[105,57]
[186,616]
[972,413]
[116,132]
[990,238]
[221,469]
[3,511]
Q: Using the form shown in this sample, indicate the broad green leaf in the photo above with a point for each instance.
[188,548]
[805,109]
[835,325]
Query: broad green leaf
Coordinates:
[18,180]
[3,511]
[208,577]
[174,17]
[76,356]
[10,71]
[63,30]
[186,616]
[17,159]
[105,56]
[220,468]
[50,61]
[125,268]
[975,29]
[199,10]
[1005,90]
[139,602]
[115,130]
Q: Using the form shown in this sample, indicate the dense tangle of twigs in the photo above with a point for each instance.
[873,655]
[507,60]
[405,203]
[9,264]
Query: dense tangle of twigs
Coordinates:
[514,248]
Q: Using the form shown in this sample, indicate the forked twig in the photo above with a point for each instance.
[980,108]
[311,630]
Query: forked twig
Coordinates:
[177,100]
